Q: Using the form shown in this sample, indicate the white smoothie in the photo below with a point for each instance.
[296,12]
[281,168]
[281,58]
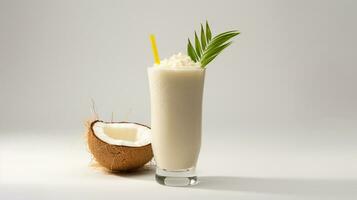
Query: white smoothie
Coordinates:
[176,88]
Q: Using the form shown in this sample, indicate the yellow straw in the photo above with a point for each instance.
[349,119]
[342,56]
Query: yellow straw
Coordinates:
[154,49]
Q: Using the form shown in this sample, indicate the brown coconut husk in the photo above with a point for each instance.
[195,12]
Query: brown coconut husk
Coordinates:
[117,157]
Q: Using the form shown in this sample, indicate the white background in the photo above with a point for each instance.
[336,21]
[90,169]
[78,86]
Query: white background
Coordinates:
[287,86]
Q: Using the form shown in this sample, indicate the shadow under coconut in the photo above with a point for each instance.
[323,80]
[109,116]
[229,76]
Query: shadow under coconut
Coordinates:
[145,173]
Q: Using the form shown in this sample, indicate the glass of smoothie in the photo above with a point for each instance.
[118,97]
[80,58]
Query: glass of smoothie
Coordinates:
[176,89]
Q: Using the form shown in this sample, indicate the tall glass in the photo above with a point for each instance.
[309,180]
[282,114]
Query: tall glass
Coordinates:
[176,116]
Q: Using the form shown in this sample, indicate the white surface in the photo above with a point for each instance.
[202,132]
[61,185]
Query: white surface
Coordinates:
[56,165]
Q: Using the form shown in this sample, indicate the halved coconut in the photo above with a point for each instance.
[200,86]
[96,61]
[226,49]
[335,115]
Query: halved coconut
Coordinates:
[120,146]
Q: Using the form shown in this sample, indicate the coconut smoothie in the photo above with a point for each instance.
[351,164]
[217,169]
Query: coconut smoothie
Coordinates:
[176,87]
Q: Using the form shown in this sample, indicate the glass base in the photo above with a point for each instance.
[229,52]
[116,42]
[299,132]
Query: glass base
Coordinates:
[177,178]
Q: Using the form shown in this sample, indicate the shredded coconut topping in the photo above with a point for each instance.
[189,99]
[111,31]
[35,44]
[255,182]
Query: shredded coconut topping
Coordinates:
[179,60]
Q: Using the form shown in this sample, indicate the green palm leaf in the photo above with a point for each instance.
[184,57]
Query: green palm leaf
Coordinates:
[209,48]
[208,32]
[198,46]
[210,55]
[191,51]
[203,38]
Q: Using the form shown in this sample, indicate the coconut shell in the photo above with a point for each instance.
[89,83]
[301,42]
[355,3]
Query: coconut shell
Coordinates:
[118,157]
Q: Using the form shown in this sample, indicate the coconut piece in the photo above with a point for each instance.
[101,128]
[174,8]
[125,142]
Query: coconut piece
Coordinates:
[120,146]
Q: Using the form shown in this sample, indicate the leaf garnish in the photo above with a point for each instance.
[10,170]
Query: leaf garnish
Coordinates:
[198,46]
[208,32]
[191,51]
[203,38]
[209,48]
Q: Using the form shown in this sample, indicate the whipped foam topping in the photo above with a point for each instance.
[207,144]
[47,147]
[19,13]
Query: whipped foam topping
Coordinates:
[179,60]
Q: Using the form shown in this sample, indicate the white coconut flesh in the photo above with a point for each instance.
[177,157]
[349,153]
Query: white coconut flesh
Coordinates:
[123,134]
